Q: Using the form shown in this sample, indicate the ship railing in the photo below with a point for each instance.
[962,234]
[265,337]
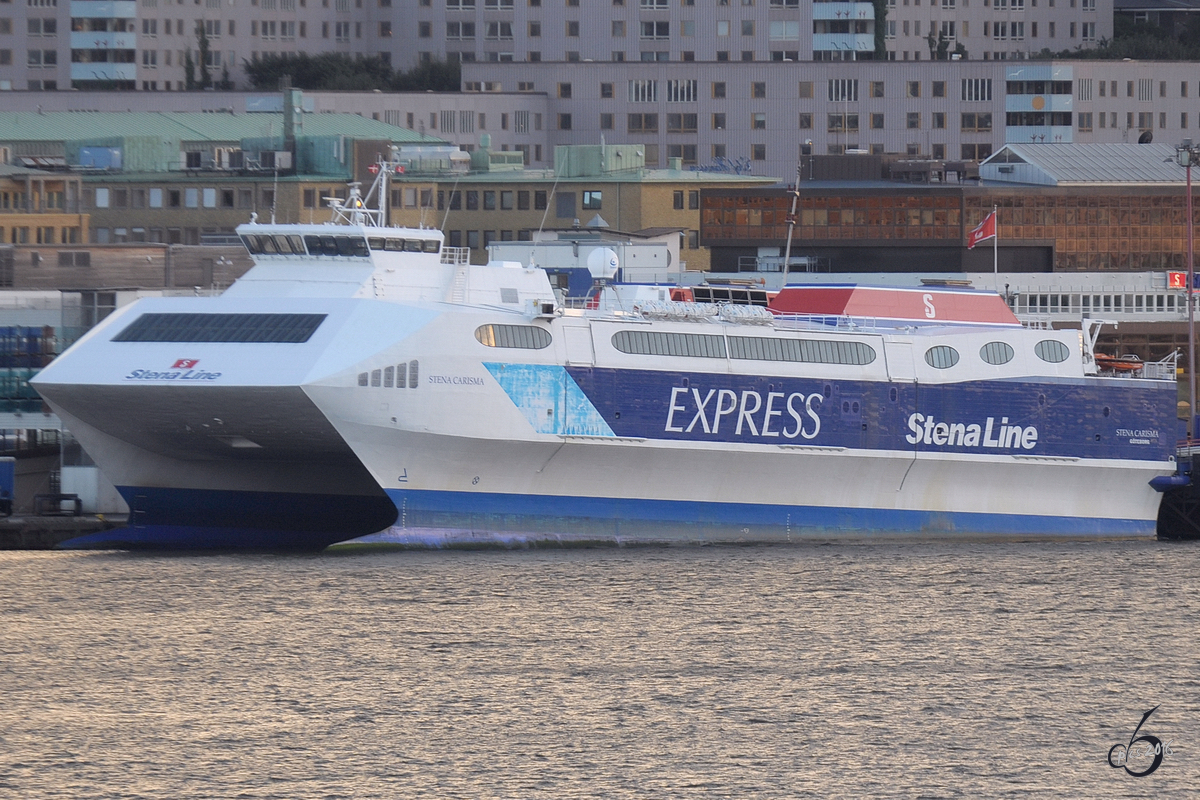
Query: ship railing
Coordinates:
[1162,370]
[839,321]
[1036,323]
[456,255]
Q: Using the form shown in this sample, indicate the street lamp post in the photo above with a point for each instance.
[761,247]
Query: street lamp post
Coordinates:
[1188,154]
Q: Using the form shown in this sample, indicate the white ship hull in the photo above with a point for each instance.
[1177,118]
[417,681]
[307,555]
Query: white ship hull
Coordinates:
[364,383]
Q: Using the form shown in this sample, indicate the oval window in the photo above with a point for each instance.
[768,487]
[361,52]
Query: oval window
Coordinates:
[941,357]
[521,337]
[996,353]
[1052,350]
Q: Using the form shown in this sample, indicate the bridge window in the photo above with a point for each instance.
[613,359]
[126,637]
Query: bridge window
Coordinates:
[245,328]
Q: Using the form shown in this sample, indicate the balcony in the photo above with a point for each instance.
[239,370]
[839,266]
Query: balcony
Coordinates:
[843,11]
[103,72]
[103,40]
[858,42]
[1038,102]
[1049,134]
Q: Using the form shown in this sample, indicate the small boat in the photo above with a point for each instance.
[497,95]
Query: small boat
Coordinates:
[1125,363]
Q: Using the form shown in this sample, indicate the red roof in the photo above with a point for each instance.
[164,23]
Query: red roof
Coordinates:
[923,306]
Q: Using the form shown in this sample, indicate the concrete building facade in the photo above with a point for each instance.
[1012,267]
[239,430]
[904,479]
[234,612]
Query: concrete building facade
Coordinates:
[149,45]
[756,118]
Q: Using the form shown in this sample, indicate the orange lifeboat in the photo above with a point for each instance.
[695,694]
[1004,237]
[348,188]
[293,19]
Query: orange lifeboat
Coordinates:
[1127,363]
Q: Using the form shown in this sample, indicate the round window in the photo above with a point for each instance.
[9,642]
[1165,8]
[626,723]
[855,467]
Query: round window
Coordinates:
[1052,350]
[941,357]
[996,353]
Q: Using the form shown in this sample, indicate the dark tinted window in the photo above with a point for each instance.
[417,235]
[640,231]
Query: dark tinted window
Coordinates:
[287,328]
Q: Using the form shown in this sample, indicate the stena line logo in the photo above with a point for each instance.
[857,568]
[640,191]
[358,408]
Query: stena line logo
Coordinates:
[927,430]
[184,369]
[770,415]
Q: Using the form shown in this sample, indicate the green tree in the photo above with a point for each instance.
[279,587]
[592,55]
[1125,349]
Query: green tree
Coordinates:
[189,72]
[437,76]
[340,72]
[880,29]
[202,41]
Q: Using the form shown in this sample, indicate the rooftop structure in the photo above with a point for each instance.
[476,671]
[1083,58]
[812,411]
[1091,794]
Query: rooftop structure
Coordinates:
[1084,165]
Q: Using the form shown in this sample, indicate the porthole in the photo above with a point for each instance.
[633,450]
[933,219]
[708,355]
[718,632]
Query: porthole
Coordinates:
[943,356]
[996,353]
[1052,350]
[893,395]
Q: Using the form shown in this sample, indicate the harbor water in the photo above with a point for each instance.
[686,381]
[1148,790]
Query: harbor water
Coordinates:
[870,669]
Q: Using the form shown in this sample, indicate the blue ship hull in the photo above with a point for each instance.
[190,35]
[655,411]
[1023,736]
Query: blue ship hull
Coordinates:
[192,519]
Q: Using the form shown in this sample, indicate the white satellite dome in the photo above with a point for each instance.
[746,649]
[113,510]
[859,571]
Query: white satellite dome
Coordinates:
[603,263]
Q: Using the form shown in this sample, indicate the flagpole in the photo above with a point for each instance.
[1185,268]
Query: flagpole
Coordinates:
[996,248]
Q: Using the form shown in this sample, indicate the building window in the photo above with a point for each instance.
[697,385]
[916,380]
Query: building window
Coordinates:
[686,153]
[591,200]
[758,152]
[981,123]
[843,90]
[977,89]
[681,123]
[642,123]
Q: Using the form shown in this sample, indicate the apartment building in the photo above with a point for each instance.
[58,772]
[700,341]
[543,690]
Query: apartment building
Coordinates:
[153,45]
[764,119]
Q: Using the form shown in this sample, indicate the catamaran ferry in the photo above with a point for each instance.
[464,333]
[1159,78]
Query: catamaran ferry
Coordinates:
[364,378]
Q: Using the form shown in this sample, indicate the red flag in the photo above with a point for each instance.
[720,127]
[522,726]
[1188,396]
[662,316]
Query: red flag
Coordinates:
[985,230]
